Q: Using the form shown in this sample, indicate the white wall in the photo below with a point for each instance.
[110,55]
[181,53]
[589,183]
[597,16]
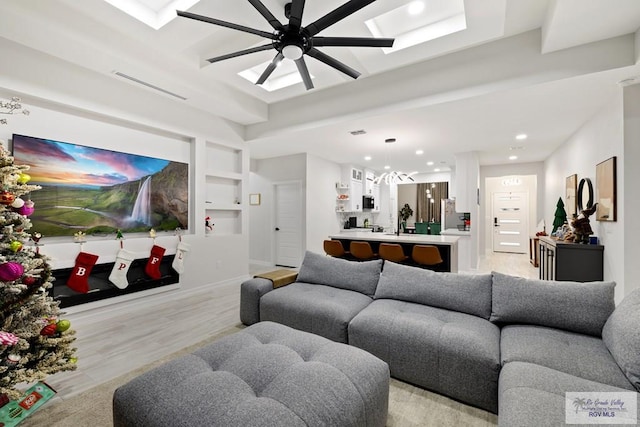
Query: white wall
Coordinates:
[597,140]
[73,104]
[322,219]
[265,173]
[629,172]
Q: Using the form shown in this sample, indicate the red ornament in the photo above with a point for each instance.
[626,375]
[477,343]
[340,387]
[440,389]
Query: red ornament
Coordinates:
[10,271]
[6,197]
[29,280]
[49,330]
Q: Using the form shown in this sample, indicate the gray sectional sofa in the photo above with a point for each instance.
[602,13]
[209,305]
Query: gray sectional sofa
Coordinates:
[509,345]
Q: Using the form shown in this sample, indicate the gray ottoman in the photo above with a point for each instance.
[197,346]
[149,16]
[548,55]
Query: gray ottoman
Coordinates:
[265,375]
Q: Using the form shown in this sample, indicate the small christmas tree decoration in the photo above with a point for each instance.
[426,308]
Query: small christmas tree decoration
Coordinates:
[62,325]
[49,330]
[560,216]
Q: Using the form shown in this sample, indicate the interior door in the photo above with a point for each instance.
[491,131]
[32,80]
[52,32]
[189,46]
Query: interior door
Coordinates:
[511,222]
[288,227]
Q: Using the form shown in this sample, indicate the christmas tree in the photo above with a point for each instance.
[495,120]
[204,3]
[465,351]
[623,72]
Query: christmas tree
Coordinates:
[560,216]
[34,341]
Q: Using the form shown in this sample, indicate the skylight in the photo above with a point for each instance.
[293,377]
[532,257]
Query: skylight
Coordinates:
[154,13]
[419,21]
[286,74]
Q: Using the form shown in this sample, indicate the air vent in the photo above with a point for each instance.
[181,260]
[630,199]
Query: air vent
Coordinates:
[358,132]
[149,85]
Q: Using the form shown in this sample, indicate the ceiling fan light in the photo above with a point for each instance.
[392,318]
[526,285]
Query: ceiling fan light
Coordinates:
[292,52]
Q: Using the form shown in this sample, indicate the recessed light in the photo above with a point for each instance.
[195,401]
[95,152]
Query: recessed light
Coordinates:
[521,136]
[367,158]
[436,170]
[415,8]
[429,163]
[513,157]
[419,152]
[387,167]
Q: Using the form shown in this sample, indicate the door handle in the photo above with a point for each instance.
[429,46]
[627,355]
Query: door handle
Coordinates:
[277,228]
[495,222]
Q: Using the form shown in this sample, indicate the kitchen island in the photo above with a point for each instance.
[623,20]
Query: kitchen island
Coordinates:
[447,245]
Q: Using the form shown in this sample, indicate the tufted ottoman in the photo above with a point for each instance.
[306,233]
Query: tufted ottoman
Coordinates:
[266,375]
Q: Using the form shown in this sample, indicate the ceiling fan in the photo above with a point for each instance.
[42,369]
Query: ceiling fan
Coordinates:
[293,41]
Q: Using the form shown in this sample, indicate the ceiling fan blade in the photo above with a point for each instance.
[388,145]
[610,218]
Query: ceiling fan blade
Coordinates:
[240,53]
[267,72]
[352,41]
[304,73]
[336,15]
[273,21]
[295,17]
[332,62]
[226,24]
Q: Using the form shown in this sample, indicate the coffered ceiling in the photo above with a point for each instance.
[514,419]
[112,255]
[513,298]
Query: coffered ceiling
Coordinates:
[540,67]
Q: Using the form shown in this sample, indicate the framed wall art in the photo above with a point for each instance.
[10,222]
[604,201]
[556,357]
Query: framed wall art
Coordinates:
[606,191]
[571,201]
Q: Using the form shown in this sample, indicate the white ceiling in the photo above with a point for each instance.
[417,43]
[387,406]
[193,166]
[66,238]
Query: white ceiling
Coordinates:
[540,67]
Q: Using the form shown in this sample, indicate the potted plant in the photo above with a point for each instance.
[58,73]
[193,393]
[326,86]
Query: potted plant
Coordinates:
[405,213]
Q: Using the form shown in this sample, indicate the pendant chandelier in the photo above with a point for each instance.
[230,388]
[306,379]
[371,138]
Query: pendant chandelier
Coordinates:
[393,177]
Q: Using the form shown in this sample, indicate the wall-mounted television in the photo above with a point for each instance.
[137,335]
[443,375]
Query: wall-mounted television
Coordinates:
[99,191]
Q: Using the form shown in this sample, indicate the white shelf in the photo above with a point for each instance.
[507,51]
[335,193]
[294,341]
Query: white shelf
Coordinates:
[222,206]
[224,175]
[224,183]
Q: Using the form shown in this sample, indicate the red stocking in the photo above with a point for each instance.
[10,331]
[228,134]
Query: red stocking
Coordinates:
[79,279]
[153,264]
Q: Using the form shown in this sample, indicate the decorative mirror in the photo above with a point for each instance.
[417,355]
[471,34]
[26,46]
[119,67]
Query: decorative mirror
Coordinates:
[585,194]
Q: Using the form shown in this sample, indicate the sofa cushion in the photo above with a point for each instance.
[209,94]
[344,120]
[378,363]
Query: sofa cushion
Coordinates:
[534,396]
[573,306]
[355,276]
[621,335]
[319,309]
[465,293]
[581,355]
[451,353]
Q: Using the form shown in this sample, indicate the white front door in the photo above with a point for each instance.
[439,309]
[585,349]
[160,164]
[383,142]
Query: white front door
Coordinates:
[510,222]
[288,227]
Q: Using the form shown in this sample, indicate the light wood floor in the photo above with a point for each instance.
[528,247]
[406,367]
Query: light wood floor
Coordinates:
[139,332]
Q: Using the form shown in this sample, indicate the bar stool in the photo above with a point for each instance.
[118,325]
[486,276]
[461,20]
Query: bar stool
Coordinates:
[362,250]
[334,248]
[428,255]
[392,252]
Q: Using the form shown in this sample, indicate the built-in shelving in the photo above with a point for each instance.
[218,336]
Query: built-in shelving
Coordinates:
[224,204]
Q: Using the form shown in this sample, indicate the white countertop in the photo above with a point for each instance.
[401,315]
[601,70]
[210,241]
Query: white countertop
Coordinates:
[402,238]
[455,232]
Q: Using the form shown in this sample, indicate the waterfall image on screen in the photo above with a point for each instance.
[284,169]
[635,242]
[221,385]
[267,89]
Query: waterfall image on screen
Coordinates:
[99,191]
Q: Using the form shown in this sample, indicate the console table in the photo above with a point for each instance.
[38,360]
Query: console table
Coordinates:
[560,260]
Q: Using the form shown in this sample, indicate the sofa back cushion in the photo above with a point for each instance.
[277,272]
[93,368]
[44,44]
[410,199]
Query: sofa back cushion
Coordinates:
[572,306]
[621,335]
[351,275]
[464,293]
